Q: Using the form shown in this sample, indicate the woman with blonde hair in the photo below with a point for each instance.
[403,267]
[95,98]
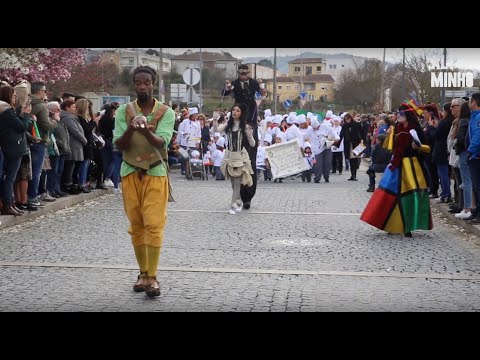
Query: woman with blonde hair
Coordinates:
[83,116]
[24,175]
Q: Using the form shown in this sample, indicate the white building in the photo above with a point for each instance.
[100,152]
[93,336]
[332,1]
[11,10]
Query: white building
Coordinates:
[130,59]
[335,64]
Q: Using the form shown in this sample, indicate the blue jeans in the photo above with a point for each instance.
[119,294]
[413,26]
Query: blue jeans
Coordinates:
[38,156]
[83,172]
[117,164]
[59,173]
[52,174]
[107,159]
[474,166]
[11,169]
[466,181]
[444,180]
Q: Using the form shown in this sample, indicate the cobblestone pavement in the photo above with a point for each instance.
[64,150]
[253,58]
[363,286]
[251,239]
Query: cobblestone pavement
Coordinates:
[301,247]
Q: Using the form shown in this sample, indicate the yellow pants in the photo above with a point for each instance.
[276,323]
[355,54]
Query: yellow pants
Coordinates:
[145,203]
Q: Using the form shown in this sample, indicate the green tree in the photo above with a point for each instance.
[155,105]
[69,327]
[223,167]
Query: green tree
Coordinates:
[266,62]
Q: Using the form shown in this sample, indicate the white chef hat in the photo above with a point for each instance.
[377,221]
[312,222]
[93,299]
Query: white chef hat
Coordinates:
[192,111]
[307,144]
[195,154]
[309,115]
[292,118]
[217,134]
[268,138]
[301,119]
[314,122]
[277,119]
[267,112]
[221,142]
[281,135]
[329,114]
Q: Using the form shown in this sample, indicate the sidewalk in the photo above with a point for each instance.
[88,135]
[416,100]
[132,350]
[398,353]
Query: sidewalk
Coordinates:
[443,208]
[59,204]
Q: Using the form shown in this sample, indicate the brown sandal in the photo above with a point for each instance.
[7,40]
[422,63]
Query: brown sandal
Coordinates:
[153,287]
[141,283]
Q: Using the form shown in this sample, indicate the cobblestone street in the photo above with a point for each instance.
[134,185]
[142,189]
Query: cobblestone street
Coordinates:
[301,247]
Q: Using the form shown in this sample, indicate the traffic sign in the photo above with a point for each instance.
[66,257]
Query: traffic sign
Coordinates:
[287,103]
[303,95]
[178,91]
[191,77]
[191,96]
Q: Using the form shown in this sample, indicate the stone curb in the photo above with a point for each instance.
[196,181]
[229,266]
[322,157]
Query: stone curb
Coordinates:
[59,204]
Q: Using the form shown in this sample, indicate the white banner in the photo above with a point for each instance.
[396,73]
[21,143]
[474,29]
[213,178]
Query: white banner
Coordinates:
[286,159]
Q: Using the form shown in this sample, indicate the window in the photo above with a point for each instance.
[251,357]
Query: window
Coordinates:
[296,87]
[288,87]
[279,87]
[343,65]
[220,66]
[308,70]
[330,66]
[319,68]
[309,86]
[311,97]
[297,68]
[335,66]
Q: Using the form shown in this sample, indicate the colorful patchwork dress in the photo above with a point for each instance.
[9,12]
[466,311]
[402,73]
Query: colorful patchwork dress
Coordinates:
[401,204]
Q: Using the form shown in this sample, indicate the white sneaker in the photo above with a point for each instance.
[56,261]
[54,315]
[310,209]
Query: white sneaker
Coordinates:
[117,191]
[238,209]
[108,183]
[463,215]
[231,212]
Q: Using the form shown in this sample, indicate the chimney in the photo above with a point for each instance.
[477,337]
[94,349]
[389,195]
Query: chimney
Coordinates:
[188,52]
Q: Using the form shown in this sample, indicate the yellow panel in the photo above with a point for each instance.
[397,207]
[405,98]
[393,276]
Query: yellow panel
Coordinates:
[408,181]
[422,182]
[395,224]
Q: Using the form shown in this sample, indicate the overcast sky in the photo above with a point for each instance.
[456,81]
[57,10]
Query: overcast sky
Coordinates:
[460,57]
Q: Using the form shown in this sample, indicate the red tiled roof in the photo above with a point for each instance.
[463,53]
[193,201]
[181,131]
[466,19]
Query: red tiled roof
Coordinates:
[306,61]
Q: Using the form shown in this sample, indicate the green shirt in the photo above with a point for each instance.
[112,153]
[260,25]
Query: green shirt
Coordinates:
[164,130]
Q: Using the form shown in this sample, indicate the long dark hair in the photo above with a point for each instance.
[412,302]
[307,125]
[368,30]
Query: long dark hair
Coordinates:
[243,118]
[465,111]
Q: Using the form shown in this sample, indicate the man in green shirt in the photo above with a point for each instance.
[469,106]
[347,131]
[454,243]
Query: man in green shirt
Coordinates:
[145,124]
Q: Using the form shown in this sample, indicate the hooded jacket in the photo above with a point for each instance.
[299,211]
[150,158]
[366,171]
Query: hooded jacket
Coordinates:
[12,132]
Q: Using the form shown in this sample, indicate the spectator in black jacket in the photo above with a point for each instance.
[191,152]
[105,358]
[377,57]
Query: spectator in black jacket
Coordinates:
[380,160]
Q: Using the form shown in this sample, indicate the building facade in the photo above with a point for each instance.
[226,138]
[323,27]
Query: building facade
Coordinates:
[130,59]
[223,61]
[318,87]
[306,66]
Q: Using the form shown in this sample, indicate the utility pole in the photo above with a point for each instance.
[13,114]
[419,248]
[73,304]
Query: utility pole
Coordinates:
[275,80]
[301,74]
[160,77]
[382,83]
[201,72]
[445,67]
[403,77]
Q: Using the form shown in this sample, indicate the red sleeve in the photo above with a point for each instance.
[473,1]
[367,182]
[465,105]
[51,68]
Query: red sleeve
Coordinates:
[402,140]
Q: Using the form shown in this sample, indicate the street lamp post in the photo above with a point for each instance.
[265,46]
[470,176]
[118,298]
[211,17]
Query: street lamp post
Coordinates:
[403,76]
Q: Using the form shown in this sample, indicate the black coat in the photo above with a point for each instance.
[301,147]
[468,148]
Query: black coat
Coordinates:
[440,152]
[87,129]
[12,134]
[247,97]
[353,134]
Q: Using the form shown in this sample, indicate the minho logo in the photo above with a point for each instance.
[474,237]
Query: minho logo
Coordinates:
[449,78]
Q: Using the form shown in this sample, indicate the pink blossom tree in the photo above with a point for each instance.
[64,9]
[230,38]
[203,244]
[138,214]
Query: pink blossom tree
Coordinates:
[39,64]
